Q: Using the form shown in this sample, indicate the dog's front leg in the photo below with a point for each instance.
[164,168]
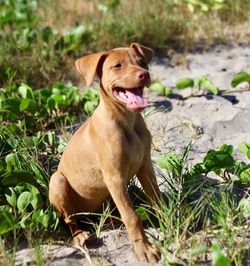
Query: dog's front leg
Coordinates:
[118,190]
[148,181]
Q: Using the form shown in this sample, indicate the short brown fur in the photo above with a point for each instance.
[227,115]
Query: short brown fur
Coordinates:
[109,149]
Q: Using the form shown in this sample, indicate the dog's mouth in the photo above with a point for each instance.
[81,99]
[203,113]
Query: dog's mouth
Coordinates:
[131,97]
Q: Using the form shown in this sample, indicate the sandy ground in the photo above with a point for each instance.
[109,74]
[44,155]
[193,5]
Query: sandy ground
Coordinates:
[209,121]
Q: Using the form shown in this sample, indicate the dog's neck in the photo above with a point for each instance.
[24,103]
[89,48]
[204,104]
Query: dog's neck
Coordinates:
[116,111]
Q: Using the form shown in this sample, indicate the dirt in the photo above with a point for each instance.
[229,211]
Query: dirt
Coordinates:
[207,120]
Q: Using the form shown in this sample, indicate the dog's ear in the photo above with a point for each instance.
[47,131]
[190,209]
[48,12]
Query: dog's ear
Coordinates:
[146,52]
[88,66]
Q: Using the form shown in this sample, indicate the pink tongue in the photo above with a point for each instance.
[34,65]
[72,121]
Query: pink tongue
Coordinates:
[134,99]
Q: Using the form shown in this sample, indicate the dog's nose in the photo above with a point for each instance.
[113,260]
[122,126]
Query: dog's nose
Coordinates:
[142,75]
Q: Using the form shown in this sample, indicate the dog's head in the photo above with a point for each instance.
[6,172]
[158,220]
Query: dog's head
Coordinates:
[123,73]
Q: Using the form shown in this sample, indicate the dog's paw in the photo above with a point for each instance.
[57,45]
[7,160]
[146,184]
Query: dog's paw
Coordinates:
[146,252]
[81,238]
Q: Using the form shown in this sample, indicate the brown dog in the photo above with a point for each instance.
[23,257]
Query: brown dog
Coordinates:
[110,148]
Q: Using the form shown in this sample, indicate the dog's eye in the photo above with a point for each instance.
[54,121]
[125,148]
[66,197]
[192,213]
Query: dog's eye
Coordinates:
[118,65]
[143,64]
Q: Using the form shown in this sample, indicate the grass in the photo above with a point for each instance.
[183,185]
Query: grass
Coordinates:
[193,220]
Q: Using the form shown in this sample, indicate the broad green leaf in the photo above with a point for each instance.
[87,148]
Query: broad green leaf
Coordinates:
[218,258]
[7,222]
[218,160]
[184,83]
[56,90]
[239,78]
[227,149]
[201,81]
[207,84]
[244,205]
[245,174]
[25,91]
[238,168]
[24,200]
[28,105]
[157,86]
[11,105]
[60,100]
[168,91]
[29,197]
[51,103]
[244,147]
[15,177]
[12,161]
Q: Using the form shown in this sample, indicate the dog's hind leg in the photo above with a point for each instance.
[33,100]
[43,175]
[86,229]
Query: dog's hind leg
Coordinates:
[63,198]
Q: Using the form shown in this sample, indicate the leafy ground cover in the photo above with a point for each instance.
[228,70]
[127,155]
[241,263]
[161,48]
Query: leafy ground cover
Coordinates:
[39,40]
[200,220]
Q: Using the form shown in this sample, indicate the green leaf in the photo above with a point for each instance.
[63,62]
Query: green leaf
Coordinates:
[29,197]
[24,200]
[60,100]
[45,93]
[51,103]
[227,149]
[142,213]
[56,89]
[89,107]
[157,86]
[184,83]
[15,177]
[12,161]
[25,91]
[218,160]
[11,197]
[11,105]
[168,91]
[90,95]
[244,206]
[244,147]
[218,258]
[7,222]
[172,163]
[207,84]
[245,174]
[239,78]
[28,105]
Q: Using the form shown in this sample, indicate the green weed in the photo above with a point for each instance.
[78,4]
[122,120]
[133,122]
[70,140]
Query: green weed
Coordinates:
[198,214]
